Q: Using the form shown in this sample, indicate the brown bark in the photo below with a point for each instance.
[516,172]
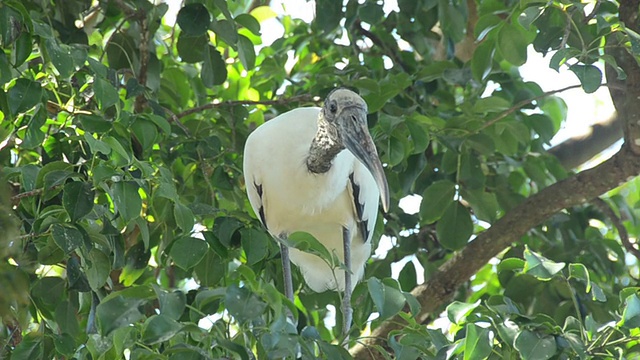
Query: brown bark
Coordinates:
[575,190]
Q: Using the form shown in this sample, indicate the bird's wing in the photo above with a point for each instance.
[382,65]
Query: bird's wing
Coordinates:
[253,184]
[366,195]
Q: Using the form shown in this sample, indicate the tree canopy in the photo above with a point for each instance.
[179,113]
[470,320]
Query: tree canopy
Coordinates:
[126,231]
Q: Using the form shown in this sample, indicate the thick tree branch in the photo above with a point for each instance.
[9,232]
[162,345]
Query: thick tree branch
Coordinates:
[570,192]
[577,150]
[575,190]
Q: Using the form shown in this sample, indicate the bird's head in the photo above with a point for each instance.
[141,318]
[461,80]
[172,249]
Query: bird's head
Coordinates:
[345,115]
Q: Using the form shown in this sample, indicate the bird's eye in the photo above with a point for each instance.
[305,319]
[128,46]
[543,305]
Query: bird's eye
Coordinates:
[333,107]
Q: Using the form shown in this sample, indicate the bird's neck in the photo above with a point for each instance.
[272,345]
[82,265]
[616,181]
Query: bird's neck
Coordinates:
[324,148]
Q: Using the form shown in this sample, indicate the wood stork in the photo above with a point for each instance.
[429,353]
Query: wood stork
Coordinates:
[317,170]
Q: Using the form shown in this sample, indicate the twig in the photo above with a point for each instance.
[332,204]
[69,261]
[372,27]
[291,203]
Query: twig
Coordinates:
[617,223]
[594,12]
[35,192]
[282,101]
[141,100]
[522,103]
[392,53]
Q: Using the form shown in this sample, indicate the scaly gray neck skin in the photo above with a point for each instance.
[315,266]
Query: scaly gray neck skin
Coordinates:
[323,149]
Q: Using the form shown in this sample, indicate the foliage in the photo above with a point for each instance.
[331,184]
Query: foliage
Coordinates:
[121,147]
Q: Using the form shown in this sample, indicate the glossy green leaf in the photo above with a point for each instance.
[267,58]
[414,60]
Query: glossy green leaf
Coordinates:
[172,304]
[126,199]
[328,14]
[539,266]
[214,70]
[159,328]
[98,267]
[242,304]
[117,312]
[631,312]
[458,311]
[255,244]
[436,199]
[477,343]
[66,237]
[532,345]
[388,300]
[77,199]
[512,44]
[187,252]
[184,217]
[589,75]
[60,56]
[455,227]
[106,94]
[24,95]
[482,60]
[246,52]
[192,48]
[249,22]
[194,19]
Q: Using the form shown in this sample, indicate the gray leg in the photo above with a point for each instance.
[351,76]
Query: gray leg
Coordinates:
[286,272]
[347,311]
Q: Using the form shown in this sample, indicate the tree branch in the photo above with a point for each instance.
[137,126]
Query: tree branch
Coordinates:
[617,223]
[569,192]
[577,150]
[281,101]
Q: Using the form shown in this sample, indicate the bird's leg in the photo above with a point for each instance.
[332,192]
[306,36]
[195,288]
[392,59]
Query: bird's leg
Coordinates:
[347,311]
[286,272]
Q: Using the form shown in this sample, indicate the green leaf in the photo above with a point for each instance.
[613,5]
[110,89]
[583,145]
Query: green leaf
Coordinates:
[192,48]
[328,14]
[419,137]
[539,266]
[77,199]
[242,304]
[436,199]
[172,304]
[24,95]
[249,22]
[477,344]
[187,252]
[482,60]
[457,311]
[306,242]
[96,146]
[512,44]
[491,104]
[246,52]
[214,71]
[225,30]
[184,217]
[255,244]
[31,347]
[98,268]
[66,237]
[117,312]
[126,199]
[194,19]
[534,346]
[580,272]
[145,131]
[106,94]
[455,227]
[631,312]
[5,70]
[589,75]
[388,300]
[60,56]
[159,328]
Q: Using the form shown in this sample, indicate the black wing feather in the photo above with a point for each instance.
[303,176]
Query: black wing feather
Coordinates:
[261,210]
[362,224]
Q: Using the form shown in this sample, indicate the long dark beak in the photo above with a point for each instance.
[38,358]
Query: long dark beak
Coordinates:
[357,139]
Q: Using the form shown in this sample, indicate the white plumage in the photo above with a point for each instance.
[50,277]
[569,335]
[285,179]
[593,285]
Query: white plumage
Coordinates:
[317,170]
[294,199]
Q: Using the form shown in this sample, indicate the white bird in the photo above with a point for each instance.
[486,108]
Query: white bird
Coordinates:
[317,170]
